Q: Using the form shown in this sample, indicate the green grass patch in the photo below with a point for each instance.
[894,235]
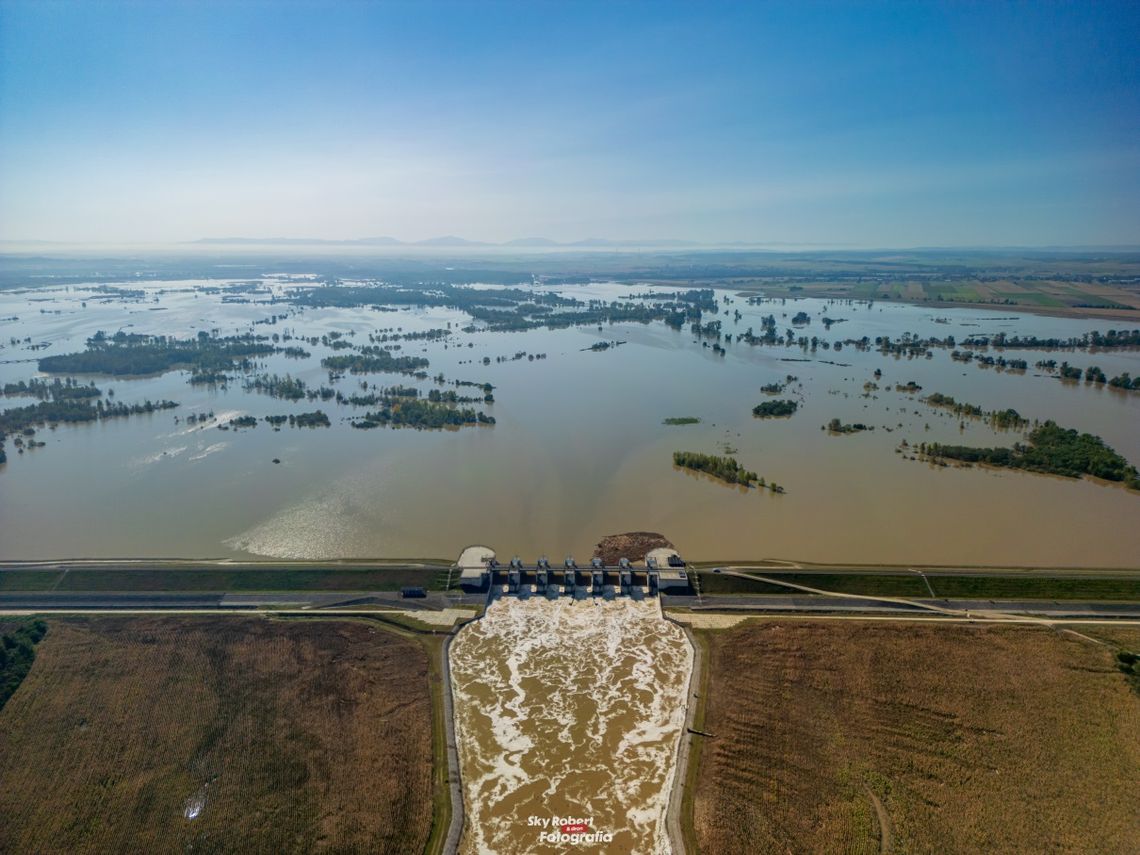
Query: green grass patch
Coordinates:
[1032,298]
[1035,587]
[844,583]
[29,580]
[949,586]
[229,580]
[950,293]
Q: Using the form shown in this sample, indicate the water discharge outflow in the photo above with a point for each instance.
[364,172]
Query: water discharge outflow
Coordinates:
[569,714]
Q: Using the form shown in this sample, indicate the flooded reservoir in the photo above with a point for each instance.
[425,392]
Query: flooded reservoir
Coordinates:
[579,446]
[568,717]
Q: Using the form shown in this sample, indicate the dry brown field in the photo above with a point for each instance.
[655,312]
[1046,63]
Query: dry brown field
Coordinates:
[969,738]
[287,736]
[1121,637]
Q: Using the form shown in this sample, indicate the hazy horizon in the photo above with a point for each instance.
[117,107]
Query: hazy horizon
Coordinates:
[851,126]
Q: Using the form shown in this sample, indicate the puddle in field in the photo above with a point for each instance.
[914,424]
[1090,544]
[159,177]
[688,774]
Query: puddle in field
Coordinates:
[195,804]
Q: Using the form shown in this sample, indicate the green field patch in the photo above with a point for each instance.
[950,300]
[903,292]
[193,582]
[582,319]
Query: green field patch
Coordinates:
[843,583]
[951,293]
[1035,587]
[347,579]
[29,580]
[1031,298]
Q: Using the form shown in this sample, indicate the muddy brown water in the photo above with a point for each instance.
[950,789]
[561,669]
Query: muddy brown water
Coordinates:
[579,449]
[569,713]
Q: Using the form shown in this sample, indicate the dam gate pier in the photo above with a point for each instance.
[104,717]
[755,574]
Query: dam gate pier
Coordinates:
[659,571]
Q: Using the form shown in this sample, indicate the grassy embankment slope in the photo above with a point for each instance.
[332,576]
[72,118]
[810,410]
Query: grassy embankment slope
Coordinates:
[1110,587]
[970,739]
[290,736]
[184,577]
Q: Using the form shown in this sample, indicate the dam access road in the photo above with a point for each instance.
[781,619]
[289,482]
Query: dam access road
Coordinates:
[789,588]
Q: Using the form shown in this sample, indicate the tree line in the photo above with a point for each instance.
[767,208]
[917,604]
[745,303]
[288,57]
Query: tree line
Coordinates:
[17,653]
[774,409]
[1049,449]
[133,354]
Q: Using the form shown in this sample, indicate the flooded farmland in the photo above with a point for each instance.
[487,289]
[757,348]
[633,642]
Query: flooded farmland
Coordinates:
[578,449]
[569,714]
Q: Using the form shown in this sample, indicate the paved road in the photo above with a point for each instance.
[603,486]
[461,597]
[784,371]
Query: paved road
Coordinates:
[845,605]
[789,603]
[944,570]
[674,814]
[79,600]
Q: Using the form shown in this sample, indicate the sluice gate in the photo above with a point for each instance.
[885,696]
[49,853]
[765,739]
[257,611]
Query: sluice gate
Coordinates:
[660,571]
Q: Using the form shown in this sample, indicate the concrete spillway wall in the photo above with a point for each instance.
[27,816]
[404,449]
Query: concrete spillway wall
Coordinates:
[662,571]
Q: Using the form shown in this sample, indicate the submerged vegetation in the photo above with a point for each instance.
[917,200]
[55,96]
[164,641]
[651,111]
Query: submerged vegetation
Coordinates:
[288,387]
[23,421]
[1051,450]
[511,309]
[1007,419]
[722,468]
[56,390]
[132,354]
[375,360]
[835,426]
[421,413]
[317,418]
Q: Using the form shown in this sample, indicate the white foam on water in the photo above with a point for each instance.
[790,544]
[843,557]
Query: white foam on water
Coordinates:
[572,709]
[206,424]
[208,450]
[165,454]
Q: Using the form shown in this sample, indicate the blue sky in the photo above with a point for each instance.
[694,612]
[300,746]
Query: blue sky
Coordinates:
[863,124]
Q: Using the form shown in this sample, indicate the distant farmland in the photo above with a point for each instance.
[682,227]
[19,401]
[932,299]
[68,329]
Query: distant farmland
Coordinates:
[274,736]
[969,739]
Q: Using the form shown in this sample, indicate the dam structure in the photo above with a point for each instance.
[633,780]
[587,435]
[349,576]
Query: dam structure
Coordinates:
[660,571]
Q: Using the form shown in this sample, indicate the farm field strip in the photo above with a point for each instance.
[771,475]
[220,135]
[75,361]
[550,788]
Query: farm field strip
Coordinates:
[811,723]
[148,733]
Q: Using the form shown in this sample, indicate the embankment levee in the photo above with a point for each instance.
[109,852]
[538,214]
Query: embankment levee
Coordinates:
[676,820]
[454,779]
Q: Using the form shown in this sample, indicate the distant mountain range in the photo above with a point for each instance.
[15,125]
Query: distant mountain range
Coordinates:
[445,241]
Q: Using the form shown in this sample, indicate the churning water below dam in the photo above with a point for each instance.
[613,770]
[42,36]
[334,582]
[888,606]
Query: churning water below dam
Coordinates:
[568,717]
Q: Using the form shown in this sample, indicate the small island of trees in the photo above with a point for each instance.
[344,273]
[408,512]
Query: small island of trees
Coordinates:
[1051,450]
[1007,419]
[724,469]
[681,420]
[421,414]
[835,426]
[774,409]
[132,354]
[375,360]
[317,418]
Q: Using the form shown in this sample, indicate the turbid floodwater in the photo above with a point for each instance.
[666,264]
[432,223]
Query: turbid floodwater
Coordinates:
[579,449]
[568,717]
